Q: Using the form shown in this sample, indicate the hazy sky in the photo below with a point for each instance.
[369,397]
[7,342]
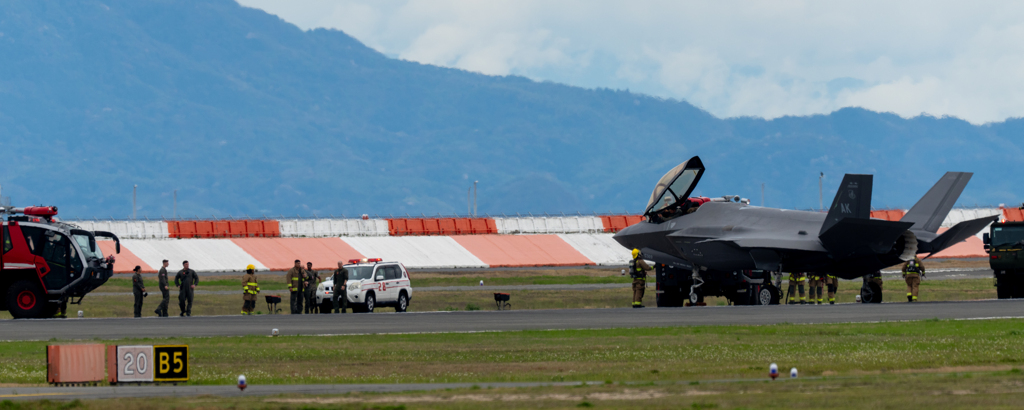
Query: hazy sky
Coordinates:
[732,58]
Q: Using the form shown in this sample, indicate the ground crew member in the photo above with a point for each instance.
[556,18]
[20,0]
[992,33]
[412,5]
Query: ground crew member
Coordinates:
[832,283]
[877,279]
[796,280]
[638,271]
[138,290]
[913,270]
[250,288]
[165,291]
[312,280]
[186,281]
[294,279]
[814,284]
[340,291]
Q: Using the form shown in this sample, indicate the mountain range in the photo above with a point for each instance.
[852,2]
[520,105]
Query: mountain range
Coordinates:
[241,113]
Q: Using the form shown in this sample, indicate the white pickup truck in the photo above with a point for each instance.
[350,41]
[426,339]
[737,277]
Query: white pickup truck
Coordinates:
[372,283]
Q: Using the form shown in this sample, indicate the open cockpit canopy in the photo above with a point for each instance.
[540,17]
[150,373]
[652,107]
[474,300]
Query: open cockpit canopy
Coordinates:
[677,184]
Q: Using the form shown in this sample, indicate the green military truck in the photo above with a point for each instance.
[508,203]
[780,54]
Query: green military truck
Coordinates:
[1004,243]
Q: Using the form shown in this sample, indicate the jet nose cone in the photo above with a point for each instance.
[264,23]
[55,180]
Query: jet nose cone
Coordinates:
[624,237]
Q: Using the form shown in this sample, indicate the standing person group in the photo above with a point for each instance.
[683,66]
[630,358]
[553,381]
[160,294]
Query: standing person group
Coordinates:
[186,281]
[302,284]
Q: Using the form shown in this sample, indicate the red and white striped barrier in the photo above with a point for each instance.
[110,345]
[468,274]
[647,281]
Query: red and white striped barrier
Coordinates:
[419,243]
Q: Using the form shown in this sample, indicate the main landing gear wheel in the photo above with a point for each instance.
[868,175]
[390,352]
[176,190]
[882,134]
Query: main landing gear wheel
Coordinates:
[768,295]
[871,293]
[26,299]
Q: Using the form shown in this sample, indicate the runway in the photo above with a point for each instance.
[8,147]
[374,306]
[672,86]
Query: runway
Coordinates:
[112,392]
[478,321]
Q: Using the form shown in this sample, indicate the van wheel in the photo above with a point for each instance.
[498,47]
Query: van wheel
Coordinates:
[26,299]
[403,303]
[371,301]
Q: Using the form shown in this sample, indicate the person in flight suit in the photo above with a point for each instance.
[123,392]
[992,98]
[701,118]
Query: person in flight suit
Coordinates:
[165,291]
[796,280]
[913,270]
[250,288]
[312,280]
[294,279]
[340,291]
[138,290]
[186,281]
[638,271]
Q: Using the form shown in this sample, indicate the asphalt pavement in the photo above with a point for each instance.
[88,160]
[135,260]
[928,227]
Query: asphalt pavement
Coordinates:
[480,321]
[184,390]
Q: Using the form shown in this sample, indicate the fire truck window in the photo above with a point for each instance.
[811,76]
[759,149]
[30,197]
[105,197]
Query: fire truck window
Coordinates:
[34,237]
[76,261]
[7,240]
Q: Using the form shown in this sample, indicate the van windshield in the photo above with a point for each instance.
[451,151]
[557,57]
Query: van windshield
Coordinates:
[359,272]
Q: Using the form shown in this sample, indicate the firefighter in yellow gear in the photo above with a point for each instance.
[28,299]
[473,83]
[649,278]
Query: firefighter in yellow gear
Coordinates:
[250,288]
[815,282]
[638,271]
[294,279]
[913,271]
[832,283]
[797,281]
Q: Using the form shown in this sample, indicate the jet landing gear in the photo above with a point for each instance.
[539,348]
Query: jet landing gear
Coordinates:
[870,292]
[679,286]
[696,296]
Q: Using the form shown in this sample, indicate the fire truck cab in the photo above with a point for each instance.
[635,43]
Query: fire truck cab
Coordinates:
[46,263]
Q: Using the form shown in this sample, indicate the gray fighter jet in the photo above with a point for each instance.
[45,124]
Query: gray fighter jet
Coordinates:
[727,235]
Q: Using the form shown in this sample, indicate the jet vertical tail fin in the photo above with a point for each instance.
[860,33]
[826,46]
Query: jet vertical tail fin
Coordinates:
[853,200]
[928,213]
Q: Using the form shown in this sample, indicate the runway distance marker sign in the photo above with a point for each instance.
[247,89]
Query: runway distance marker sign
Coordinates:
[171,364]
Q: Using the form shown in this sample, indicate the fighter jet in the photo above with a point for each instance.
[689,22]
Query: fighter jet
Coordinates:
[728,235]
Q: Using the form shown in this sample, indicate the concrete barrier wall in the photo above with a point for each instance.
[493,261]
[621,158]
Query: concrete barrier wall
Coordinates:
[281,253]
[522,250]
[423,252]
[549,224]
[127,229]
[599,248]
[321,228]
[203,254]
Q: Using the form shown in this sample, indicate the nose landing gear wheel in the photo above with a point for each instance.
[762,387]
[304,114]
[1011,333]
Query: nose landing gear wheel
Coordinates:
[768,295]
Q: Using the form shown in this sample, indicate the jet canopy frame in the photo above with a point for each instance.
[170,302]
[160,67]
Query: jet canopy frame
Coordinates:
[675,186]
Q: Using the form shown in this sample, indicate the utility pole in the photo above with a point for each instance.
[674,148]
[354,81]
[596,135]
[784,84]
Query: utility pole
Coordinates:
[175,204]
[762,194]
[821,202]
[134,189]
[474,198]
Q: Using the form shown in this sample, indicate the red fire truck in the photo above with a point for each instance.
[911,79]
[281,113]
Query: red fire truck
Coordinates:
[46,263]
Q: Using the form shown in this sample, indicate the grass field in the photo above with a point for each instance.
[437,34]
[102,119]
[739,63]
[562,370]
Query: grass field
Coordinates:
[932,363]
[989,389]
[634,355]
[212,304]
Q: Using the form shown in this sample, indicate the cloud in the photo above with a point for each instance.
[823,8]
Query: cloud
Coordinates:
[760,58]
